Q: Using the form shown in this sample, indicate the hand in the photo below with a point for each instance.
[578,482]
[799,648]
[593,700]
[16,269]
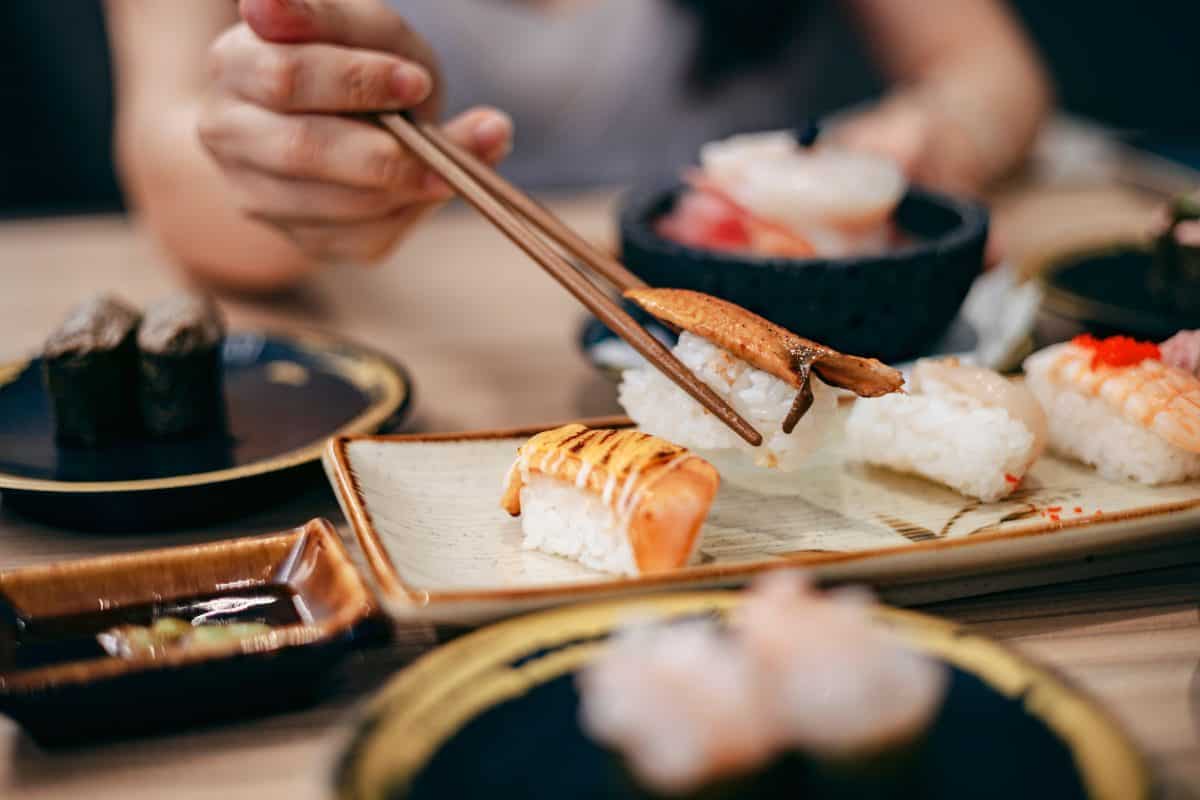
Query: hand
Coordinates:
[932,149]
[340,188]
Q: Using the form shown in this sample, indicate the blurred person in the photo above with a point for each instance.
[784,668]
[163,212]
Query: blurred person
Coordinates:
[234,142]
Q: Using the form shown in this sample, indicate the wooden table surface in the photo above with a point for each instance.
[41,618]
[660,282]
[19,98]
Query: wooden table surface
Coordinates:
[491,341]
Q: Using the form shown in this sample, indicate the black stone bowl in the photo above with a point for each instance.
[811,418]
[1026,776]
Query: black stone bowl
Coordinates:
[891,306]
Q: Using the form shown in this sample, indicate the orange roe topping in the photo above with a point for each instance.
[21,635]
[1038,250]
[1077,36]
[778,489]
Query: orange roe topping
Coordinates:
[1054,509]
[1011,478]
[1117,351]
[1078,510]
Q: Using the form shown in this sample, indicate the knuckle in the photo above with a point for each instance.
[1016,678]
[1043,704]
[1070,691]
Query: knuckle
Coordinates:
[212,126]
[379,245]
[301,150]
[219,54]
[279,75]
[384,165]
[366,203]
[364,84]
[315,243]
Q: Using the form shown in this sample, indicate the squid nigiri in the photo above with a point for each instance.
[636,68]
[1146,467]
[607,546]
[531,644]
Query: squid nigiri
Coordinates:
[966,427]
[619,501]
[1114,404]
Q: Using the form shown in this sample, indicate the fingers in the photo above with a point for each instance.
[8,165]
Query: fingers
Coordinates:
[365,24]
[314,77]
[308,146]
[485,132]
[354,23]
[348,191]
[365,242]
[298,201]
[299,148]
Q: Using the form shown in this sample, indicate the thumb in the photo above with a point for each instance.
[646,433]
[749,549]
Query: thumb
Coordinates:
[364,24]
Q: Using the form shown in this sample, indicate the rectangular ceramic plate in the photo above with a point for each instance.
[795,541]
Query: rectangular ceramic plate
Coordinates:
[426,511]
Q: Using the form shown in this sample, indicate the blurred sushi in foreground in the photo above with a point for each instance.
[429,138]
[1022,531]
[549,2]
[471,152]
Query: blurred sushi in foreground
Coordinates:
[180,367]
[766,194]
[775,379]
[966,427]
[1113,403]
[620,501]
[799,685]
[90,369]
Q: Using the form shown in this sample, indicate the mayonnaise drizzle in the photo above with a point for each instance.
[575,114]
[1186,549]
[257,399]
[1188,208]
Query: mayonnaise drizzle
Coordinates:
[622,495]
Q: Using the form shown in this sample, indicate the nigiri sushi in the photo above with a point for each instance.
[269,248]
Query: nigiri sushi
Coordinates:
[966,427]
[1115,405]
[619,501]
[767,194]
[778,381]
[693,706]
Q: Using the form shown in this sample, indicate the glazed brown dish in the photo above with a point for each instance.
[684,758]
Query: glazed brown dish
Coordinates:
[57,679]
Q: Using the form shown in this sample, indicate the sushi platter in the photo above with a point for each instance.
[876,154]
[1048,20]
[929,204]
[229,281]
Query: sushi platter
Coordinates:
[425,509]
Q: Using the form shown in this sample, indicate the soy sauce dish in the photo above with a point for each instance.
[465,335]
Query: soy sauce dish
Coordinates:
[123,645]
[832,245]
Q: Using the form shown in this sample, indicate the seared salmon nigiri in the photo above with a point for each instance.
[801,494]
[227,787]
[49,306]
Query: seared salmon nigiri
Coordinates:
[621,501]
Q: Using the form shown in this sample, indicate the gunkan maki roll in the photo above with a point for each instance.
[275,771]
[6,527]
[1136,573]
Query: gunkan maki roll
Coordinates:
[180,367]
[90,369]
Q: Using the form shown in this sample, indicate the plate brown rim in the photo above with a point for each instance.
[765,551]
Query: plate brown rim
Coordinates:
[436,685]
[397,395]
[394,589]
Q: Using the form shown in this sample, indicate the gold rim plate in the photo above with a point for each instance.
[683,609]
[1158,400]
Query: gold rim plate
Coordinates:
[371,372]
[427,703]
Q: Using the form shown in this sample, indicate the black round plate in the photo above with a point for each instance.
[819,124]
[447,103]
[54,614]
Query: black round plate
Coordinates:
[285,396]
[496,714]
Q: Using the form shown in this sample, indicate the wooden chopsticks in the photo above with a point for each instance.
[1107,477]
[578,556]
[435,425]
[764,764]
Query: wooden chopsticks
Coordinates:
[522,219]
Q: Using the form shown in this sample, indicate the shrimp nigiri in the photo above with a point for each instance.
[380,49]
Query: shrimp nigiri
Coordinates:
[1116,405]
[620,501]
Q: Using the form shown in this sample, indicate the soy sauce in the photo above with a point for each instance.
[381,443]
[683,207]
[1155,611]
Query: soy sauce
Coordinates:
[31,642]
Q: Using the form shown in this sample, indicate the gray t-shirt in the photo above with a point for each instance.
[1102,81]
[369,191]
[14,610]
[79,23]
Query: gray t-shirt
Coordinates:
[599,91]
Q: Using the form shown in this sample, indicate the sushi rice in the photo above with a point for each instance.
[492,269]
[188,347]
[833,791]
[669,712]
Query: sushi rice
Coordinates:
[1089,430]
[945,436]
[561,519]
[661,408]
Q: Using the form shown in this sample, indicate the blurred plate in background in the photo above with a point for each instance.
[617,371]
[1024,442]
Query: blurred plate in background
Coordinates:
[285,394]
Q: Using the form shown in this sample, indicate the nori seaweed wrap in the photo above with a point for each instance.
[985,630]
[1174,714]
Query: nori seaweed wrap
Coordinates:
[90,369]
[180,367]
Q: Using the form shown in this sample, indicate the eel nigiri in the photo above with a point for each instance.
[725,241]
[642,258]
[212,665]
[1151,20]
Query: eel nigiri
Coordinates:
[620,501]
[1114,404]
[775,379]
[966,427]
